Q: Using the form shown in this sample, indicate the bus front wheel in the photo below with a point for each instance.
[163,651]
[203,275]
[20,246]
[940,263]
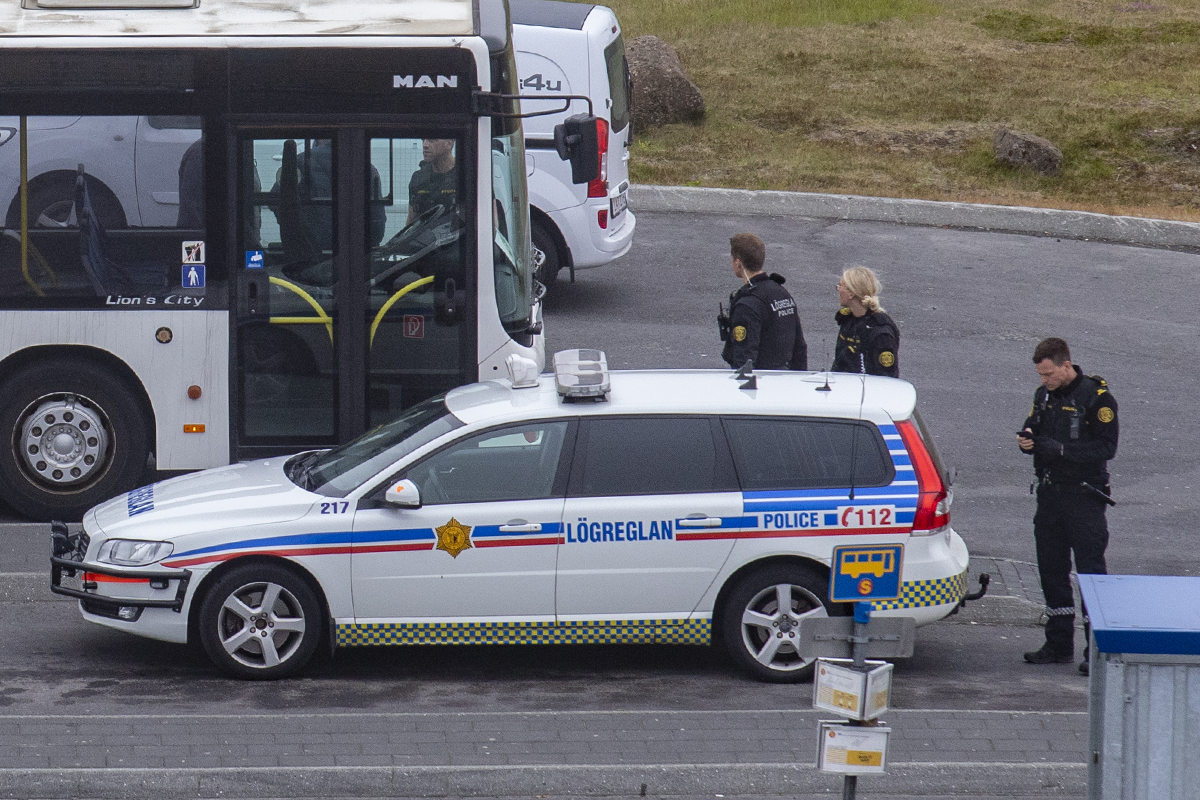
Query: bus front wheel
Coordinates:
[76,437]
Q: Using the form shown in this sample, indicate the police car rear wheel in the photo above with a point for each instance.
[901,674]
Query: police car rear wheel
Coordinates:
[761,624]
[260,621]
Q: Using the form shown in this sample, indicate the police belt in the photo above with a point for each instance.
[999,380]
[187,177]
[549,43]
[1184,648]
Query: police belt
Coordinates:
[1083,487]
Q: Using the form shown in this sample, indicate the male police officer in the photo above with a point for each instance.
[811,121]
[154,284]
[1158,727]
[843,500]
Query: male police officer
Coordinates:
[1071,433]
[762,326]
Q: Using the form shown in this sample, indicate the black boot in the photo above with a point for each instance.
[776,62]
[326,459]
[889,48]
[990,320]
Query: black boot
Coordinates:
[1048,655]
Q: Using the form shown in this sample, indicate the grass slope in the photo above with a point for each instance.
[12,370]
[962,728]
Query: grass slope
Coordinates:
[900,98]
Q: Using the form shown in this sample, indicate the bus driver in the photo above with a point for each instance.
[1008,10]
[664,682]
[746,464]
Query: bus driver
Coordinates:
[436,181]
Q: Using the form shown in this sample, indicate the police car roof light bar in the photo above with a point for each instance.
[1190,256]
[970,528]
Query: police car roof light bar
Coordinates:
[581,374]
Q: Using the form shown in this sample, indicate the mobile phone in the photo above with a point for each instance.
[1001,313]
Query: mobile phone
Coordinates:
[1025,434]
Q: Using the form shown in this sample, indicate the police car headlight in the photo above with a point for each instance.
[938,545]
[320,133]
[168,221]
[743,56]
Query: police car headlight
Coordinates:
[131,553]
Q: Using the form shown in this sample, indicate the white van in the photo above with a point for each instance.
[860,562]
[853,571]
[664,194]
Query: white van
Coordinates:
[574,48]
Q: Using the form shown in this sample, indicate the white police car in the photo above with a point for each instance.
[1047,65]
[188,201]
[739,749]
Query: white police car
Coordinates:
[676,507]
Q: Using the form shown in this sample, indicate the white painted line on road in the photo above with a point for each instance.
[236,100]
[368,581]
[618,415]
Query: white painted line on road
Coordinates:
[441,714]
[739,765]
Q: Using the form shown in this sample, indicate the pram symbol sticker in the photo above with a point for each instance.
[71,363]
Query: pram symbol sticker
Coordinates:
[193,253]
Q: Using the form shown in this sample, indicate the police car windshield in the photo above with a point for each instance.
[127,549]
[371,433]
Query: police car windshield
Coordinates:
[337,472]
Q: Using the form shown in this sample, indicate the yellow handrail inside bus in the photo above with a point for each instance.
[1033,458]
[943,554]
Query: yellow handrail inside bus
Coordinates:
[391,301]
[321,317]
[24,191]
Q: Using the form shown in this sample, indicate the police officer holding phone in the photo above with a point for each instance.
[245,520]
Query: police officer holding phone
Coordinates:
[1071,434]
[762,325]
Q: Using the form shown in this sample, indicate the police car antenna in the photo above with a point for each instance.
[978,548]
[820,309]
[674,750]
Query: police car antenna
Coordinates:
[826,387]
[746,373]
[854,438]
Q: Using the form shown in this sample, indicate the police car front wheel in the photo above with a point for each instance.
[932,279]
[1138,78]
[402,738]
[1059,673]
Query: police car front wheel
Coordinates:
[761,622]
[260,621]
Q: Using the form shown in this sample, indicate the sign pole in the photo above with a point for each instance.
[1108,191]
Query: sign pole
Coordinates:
[858,651]
[855,687]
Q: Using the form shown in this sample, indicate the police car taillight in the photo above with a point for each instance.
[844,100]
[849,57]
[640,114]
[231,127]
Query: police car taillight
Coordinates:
[933,502]
[581,374]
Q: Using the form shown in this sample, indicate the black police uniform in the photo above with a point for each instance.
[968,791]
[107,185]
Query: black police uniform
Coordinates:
[868,344]
[763,326]
[427,188]
[1075,431]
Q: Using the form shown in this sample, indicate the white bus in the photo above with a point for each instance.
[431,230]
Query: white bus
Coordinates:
[237,228]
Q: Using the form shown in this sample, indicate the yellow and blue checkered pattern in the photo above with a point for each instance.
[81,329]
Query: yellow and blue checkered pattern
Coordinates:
[918,594]
[659,631]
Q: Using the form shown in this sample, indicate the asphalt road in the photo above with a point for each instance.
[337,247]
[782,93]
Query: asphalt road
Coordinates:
[971,306]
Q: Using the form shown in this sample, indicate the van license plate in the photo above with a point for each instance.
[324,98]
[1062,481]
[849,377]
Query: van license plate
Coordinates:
[619,203]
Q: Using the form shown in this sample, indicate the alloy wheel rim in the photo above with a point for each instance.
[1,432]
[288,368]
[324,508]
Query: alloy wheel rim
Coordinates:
[261,625]
[770,625]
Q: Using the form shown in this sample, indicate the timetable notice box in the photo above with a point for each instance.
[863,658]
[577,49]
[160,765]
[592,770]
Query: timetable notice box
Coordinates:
[840,689]
[852,749]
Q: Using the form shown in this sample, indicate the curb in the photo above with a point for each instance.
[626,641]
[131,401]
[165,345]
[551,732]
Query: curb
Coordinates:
[929,213]
[946,779]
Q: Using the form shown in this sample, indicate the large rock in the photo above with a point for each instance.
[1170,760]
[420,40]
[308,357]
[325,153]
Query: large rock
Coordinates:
[662,92]
[1017,149]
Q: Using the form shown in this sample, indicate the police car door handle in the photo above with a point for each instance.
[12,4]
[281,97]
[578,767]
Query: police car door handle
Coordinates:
[519,526]
[700,522]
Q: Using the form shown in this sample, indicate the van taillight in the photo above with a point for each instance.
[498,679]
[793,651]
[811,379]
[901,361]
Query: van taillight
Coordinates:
[599,187]
[933,502]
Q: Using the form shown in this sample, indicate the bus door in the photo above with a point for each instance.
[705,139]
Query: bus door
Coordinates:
[355,299]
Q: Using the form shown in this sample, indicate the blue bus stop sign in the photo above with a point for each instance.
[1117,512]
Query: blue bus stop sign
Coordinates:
[866,572]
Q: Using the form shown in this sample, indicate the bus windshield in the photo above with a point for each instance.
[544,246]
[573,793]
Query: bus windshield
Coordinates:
[510,232]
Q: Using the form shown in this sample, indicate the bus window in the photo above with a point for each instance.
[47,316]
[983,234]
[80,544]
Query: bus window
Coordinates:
[110,203]
[418,272]
[287,372]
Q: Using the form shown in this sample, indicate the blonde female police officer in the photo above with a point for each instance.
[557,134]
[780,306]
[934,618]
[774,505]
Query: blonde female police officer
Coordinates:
[868,340]
[763,326]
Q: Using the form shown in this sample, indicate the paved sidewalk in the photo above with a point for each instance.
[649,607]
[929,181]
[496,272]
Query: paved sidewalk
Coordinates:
[954,753]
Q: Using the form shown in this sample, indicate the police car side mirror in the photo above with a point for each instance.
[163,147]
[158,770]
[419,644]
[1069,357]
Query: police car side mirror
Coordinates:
[577,139]
[404,494]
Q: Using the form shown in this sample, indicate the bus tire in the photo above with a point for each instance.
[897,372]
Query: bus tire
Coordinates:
[76,436]
[546,269]
[760,634]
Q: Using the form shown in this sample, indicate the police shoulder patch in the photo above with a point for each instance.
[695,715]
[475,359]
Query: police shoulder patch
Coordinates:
[739,333]
[843,311]
[887,358]
[1105,414]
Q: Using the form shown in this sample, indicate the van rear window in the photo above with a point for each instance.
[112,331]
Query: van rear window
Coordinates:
[796,453]
[618,82]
